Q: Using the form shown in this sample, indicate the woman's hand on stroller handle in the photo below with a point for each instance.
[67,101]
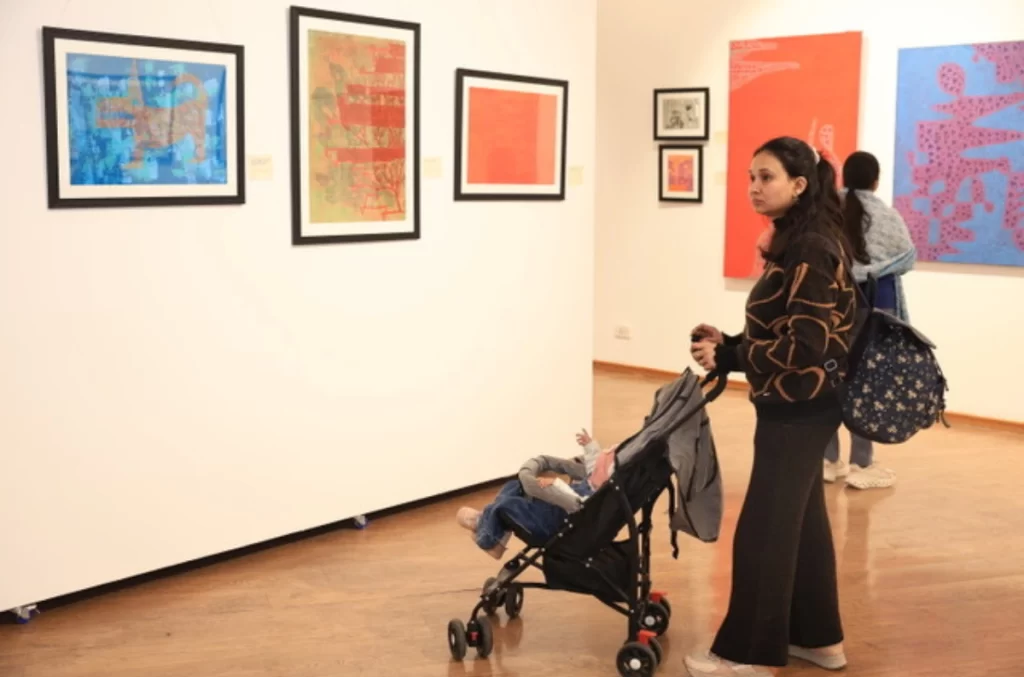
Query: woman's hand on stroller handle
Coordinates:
[706,332]
[703,352]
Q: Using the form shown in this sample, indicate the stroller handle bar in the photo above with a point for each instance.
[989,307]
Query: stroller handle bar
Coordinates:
[715,376]
[720,381]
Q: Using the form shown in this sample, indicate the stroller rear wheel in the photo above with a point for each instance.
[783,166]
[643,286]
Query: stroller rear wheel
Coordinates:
[656,617]
[637,660]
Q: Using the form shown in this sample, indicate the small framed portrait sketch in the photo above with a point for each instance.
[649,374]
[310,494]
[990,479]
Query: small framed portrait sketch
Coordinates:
[681,114]
[681,173]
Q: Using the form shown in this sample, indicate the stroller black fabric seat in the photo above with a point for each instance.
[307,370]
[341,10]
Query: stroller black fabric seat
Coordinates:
[587,555]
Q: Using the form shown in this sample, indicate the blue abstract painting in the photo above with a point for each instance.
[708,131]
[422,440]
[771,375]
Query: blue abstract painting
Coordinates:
[146,122]
[959,174]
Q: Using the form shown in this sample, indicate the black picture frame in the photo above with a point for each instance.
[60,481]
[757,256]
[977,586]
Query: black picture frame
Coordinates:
[463,189]
[407,195]
[698,97]
[697,152]
[71,178]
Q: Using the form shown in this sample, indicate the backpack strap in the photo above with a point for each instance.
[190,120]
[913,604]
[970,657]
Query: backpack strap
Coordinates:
[864,307]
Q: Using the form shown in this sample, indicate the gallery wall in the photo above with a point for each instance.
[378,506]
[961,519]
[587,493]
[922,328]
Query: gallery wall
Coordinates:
[659,265]
[181,381]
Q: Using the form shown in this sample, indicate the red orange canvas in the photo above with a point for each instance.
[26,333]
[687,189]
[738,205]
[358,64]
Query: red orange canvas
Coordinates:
[511,137]
[807,87]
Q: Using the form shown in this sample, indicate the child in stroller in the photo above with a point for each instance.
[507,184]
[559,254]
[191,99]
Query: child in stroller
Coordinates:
[538,504]
[673,453]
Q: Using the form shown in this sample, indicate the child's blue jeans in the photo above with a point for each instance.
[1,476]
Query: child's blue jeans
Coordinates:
[541,519]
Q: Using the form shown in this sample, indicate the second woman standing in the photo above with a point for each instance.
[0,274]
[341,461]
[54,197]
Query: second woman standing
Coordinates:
[883,249]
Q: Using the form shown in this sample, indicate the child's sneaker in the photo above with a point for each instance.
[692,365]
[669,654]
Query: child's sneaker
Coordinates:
[835,470]
[872,477]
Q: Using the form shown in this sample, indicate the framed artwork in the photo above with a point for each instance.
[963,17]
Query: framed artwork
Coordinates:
[355,117]
[136,121]
[959,175]
[681,114]
[681,173]
[822,72]
[510,136]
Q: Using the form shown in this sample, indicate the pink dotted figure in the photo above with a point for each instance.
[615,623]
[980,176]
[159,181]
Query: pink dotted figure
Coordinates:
[1008,58]
[945,143]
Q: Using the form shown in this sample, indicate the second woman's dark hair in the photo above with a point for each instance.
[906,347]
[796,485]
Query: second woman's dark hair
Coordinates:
[860,172]
[818,209]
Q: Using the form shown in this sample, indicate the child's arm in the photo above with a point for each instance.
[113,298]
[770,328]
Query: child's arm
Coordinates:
[562,496]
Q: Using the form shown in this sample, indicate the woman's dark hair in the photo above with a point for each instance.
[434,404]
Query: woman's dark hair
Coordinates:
[818,209]
[860,172]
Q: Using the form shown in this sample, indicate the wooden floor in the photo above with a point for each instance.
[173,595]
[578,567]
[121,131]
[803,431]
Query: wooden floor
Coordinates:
[932,584]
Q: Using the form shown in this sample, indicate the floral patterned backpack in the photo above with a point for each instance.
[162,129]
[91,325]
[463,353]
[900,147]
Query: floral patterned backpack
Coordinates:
[893,387]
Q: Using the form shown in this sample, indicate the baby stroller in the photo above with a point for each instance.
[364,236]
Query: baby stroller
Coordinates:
[675,443]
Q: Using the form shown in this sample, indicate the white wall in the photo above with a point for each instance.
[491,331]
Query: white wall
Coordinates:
[179,382]
[659,266]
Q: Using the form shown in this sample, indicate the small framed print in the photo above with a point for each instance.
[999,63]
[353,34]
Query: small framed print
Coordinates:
[681,114]
[510,136]
[681,173]
[141,121]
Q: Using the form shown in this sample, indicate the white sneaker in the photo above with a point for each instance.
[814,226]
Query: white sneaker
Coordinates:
[823,660]
[872,477]
[707,664]
[835,470]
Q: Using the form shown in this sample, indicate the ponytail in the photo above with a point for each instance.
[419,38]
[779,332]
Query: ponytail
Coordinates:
[854,218]
[830,207]
[860,172]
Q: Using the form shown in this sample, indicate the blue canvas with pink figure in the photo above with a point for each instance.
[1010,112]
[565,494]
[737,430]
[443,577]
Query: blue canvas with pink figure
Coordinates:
[959,166]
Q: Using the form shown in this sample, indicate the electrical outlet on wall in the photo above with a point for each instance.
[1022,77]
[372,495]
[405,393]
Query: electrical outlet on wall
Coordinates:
[623,333]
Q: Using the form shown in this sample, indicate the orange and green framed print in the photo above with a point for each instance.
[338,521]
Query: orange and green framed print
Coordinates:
[355,104]
[510,136]
[681,173]
[806,86]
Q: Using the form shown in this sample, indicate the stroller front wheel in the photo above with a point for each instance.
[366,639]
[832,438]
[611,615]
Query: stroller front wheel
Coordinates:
[491,601]
[457,639]
[482,636]
[514,601]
